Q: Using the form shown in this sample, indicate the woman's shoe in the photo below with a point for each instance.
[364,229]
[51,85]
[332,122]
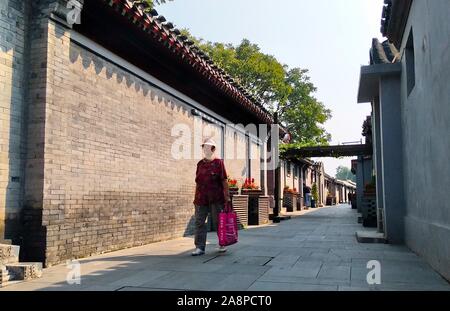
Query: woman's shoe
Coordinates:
[198,252]
[222,249]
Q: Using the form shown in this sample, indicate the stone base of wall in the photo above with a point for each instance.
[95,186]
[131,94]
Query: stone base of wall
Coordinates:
[431,242]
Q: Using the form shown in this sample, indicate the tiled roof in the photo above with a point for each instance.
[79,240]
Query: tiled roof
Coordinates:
[383,53]
[328,176]
[164,32]
[386,17]
[394,19]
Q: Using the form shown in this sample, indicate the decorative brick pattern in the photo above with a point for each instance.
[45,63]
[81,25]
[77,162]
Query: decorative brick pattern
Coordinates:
[25,271]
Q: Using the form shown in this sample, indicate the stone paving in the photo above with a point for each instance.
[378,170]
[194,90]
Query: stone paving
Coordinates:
[314,251]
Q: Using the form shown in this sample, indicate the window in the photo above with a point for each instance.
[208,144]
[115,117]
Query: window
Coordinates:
[410,63]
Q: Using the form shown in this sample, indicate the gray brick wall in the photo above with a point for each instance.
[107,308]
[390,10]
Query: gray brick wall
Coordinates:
[13,59]
[110,181]
[90,143]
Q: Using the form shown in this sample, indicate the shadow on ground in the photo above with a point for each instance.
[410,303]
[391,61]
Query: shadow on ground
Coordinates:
[312,252]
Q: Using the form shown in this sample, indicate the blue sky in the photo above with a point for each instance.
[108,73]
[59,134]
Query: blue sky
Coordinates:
[331,38]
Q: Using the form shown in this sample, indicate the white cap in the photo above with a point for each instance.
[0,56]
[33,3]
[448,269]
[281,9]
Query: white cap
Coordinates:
[209,141]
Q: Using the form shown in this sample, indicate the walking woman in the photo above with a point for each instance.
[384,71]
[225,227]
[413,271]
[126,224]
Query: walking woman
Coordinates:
[211,194]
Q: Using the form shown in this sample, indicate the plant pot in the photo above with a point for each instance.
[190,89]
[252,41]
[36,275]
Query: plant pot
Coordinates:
[331,201]
[240,206]
[258,206]
[370,189]
[253,192]
[233,191]
[290,201]
[299,202]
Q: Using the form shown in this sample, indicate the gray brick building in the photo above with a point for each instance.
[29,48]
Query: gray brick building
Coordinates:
[87,113]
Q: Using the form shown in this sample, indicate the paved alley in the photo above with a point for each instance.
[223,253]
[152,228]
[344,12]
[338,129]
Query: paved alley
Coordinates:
[313,252]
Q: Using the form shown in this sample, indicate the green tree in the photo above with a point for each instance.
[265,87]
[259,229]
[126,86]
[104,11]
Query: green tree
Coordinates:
[287,91]
[304,115]
[344,173]
[315,193]
[281,89]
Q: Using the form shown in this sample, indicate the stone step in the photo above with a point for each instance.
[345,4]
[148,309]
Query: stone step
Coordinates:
[10,283]
[5,277]
[4,273]
[370,237]
[9,254]
[10,260]
[11,270]
[25,270]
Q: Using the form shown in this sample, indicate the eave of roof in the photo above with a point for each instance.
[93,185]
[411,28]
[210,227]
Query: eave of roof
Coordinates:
[328,176]
[383,53]
[369,80]
[394,19]
[181,47]
[299,160]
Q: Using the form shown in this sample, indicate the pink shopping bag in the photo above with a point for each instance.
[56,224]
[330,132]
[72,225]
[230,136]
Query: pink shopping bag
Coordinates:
[227,230]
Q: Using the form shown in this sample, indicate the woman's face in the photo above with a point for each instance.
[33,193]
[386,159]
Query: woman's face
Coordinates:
[208,151]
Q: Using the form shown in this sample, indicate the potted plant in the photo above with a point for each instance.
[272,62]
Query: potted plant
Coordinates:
[290,199]
[370,188]
[369,200]
[239,202]
[233,186]
[250,185]
[331,200]
[256,213]
[315,195]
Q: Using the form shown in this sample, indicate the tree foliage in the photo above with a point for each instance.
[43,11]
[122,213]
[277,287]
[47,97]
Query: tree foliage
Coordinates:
[344,173]
[281,89]
[287,91]
[315,193]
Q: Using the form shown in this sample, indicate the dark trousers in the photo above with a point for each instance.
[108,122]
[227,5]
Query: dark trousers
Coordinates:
[201,214]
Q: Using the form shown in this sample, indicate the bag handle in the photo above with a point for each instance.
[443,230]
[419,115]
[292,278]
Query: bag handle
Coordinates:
[228,207]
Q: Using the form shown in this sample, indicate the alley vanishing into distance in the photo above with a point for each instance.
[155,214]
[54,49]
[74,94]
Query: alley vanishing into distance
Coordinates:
[314,251]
